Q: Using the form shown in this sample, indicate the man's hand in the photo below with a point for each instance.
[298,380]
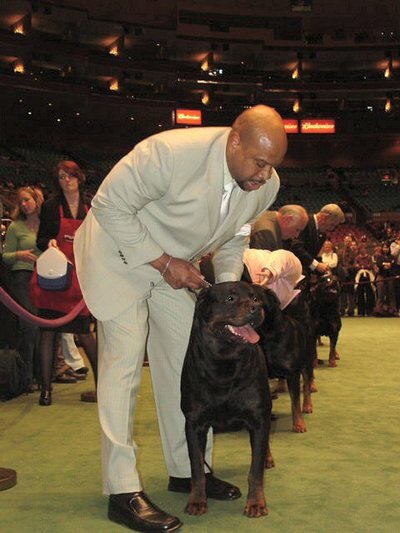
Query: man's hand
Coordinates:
[322,267]
[179,273]
[265,277]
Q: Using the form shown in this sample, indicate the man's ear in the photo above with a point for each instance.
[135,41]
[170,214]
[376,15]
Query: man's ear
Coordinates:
[234,140]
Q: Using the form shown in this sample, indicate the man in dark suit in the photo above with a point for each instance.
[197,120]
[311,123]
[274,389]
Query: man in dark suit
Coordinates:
[311,239]
[308,245]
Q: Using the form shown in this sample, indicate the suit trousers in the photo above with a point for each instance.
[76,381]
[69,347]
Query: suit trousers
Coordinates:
[160,325]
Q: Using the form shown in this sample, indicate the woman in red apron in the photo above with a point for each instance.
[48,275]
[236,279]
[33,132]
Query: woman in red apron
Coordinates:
[60,217]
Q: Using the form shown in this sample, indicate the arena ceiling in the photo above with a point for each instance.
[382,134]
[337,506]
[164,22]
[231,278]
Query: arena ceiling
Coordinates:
[134,62]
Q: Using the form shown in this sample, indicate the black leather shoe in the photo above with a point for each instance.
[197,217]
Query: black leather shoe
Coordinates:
[136,511]
[45,398]
[216,489]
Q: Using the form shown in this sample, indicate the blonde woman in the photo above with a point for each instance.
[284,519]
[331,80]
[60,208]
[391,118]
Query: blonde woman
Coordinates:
[21,252]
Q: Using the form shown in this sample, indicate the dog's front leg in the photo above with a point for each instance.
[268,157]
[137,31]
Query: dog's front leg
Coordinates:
[196,441]
[332,348]
[256,505]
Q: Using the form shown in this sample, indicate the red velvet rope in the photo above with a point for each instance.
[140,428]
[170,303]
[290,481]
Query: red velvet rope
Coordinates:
[13,306]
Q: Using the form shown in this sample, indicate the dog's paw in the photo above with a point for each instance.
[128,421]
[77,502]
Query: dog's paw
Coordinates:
[332,362]
[269,462]
[299,427]
[196,508]
[255,509]
[313,386]
[307,408]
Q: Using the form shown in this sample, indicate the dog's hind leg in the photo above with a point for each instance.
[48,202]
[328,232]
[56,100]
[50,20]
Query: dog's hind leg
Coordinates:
[269,460]
[299,426]
[307,374]
[256,505]
[196,440]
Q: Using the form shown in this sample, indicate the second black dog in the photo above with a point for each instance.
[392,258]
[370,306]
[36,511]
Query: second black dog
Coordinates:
[287,341]
[224,384]
[325,294]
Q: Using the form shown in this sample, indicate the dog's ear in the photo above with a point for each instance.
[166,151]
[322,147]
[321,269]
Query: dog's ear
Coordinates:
[203,304]
[272,308]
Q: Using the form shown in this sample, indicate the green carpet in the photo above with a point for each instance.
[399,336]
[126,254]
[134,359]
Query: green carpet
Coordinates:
[342,475]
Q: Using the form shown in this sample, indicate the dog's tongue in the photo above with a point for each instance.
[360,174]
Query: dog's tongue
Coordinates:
[248,333]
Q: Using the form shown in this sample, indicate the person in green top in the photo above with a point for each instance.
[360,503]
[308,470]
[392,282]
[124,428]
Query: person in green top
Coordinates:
[20,253]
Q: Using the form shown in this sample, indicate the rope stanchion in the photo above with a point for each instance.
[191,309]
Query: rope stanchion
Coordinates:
[341,283]
[23,313]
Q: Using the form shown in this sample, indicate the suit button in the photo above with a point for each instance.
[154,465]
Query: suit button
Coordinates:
[151,284]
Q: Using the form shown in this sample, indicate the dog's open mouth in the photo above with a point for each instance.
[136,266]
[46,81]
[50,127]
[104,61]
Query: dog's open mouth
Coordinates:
[245,334]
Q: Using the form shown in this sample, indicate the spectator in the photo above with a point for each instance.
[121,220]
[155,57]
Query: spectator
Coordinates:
[364,288]
[329,256]
[386,299]
[347,273]
[21,252]
[60,218]
[395,251]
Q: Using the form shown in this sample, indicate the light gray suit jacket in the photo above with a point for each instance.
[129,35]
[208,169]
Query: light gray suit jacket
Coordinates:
[163,196]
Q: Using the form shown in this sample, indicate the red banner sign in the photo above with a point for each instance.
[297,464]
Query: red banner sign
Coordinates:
[191,117]
[291,125]
[318,125]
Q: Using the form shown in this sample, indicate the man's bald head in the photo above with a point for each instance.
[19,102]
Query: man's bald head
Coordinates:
[256,144]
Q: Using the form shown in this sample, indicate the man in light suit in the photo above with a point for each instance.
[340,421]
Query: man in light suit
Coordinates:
[175,197]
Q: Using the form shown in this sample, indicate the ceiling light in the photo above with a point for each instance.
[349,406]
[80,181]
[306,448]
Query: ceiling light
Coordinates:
[19,67]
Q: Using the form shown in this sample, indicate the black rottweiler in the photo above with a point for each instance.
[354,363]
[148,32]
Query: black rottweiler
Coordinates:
[224,384]
[287,341]
[324,306]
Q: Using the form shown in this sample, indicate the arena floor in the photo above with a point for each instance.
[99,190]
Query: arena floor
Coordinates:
[342,475]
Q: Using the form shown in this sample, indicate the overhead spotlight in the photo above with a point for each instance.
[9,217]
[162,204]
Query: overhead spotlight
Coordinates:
[19,67]
[19,28]
[205,99]
[113,50]
[116,47]
[297,105]
[296,74]
[388,104]
[207,62]
[389,66]
[114,85]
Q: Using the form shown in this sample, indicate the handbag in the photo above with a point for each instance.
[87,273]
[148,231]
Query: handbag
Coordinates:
[54,270]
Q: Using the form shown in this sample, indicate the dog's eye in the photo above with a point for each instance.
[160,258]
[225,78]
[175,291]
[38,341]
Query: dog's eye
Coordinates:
[230,298]
[255,299]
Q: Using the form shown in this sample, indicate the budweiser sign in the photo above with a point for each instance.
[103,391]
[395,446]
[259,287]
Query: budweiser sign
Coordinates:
[318,125]
[291,125]
[191,117]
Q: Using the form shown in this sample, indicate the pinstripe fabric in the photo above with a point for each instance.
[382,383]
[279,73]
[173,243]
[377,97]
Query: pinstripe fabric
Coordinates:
[121,357]
[171,313]
[122,354]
